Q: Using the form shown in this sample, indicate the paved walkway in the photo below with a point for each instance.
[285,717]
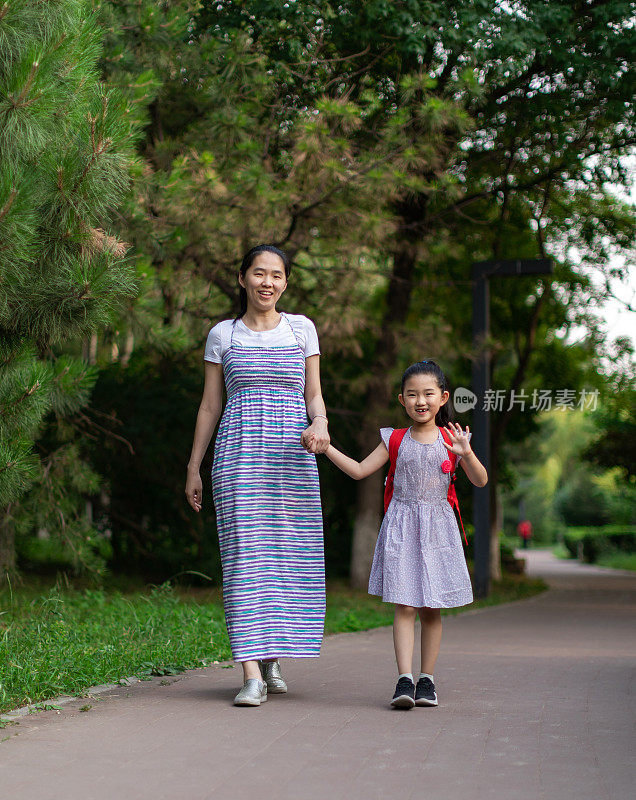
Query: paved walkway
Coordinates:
[537,701]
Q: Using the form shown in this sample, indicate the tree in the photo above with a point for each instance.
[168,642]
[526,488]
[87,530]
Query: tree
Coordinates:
[614,446]
[391,145]
[574,469]
[242,148]
[67,146]
[548,89]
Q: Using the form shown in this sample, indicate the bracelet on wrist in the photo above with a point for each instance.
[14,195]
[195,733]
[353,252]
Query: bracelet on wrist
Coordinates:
[321,416]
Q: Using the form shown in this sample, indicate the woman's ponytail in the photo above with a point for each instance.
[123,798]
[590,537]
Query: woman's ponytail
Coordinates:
[242,302]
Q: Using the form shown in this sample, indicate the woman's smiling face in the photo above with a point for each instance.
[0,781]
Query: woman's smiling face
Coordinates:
[422,398]
[264,281]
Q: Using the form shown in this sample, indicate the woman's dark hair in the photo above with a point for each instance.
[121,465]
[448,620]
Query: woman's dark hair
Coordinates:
[445,413]
[248,260]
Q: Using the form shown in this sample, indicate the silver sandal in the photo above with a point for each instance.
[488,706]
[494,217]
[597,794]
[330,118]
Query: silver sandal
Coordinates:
[253,693]
[272,677]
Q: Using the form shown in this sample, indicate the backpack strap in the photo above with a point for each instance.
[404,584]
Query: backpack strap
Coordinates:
[452,493]
[395,440]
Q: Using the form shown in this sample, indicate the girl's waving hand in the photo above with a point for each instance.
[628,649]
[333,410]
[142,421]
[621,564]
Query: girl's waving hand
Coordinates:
[460,445]
[460,439]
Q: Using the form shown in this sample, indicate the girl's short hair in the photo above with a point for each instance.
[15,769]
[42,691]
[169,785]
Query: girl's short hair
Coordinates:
[428,367]
[248,260]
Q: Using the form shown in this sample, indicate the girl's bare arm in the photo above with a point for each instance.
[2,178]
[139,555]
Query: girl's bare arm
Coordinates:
[359,469]
[474,469]
[460,445]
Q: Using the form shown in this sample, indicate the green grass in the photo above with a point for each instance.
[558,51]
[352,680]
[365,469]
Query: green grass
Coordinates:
[63,641]
[560,551]
[618,561]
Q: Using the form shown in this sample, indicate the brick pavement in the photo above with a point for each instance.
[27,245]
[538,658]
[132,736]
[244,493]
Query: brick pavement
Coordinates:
[536,702]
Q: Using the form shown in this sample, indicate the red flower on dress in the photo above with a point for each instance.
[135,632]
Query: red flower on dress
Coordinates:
[446,466]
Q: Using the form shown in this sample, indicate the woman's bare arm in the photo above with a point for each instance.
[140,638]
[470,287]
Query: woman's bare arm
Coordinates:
[207,418]
[315,438]
[359,469]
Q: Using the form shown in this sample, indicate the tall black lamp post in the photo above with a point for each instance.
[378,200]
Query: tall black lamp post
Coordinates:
[481,271]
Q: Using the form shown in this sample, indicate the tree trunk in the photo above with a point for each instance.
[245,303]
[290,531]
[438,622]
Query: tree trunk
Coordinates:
[379,389]
[7,547]
[92,349]
[366,527]
[495,527]
[128,347]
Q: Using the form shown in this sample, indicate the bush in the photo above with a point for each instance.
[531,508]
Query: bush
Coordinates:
[509,562]
[149,408]
[594,542]
[581,500]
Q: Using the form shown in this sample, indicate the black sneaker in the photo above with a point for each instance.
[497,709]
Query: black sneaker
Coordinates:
[404,696]
[425,693]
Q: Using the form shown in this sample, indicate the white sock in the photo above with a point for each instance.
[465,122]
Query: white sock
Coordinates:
[408,675]
[426,675]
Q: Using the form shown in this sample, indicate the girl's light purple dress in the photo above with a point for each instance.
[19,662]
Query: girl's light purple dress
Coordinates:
[419,556]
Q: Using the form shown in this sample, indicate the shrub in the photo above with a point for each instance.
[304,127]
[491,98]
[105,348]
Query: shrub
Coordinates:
[509,562]
[593,542]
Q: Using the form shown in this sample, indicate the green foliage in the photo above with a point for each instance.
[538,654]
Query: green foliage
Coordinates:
[581,501]
[55,508]
[594,543]
[25,396]
[557,487]
[150,407]
[615,444]
[67,145]
[240,150]
[46,556]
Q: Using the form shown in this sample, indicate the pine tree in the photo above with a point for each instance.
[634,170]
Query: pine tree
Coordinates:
[66,151]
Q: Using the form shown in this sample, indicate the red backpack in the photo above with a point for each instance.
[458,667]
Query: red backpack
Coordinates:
[395,441]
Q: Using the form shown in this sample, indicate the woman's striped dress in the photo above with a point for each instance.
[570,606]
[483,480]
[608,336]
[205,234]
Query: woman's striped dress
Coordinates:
[267,501]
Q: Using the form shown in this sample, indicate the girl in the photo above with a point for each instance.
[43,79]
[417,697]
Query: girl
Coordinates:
[419,561]
[265,485]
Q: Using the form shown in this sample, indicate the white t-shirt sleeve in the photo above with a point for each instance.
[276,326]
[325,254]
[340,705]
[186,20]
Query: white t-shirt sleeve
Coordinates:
[217,343]
[306,333]
[312,346]
[385,434]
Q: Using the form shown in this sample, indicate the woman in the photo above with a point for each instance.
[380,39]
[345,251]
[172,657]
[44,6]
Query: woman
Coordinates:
[265,485]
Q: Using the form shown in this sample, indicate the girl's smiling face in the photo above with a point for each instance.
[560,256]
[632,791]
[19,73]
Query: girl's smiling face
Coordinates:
[422,398]
[264,281]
